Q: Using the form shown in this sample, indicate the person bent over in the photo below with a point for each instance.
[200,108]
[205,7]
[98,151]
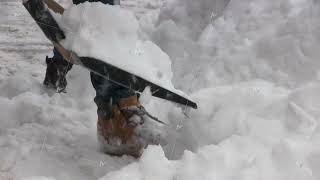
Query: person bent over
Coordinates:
[118,108]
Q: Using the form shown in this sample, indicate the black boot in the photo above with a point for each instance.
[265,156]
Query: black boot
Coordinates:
[57,69]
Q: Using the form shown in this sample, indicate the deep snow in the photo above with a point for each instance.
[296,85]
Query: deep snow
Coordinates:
[89,26]
[254,72]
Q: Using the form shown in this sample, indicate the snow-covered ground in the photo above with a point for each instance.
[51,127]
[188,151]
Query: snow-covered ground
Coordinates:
[253,68]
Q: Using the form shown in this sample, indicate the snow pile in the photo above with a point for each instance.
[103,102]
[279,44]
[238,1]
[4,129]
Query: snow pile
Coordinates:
[267,132]
[254,72]
[110,33]
[275,41]
[38,178]
[235,159]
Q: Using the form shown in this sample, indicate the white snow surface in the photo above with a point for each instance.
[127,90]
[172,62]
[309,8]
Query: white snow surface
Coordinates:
[93,30]
[252,67]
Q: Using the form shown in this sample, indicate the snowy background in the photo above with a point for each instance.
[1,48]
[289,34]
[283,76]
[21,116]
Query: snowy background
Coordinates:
[251,65]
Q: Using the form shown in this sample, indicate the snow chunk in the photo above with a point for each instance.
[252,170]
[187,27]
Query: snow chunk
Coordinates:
[109,33]
[234,159]
[153,165]
[38,178]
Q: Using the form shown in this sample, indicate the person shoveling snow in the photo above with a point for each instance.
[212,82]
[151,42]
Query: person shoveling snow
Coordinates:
[118,107]
[91,31]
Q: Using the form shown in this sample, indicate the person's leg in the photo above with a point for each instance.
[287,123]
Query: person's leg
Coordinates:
[116,133]
[57,69]
[108,93]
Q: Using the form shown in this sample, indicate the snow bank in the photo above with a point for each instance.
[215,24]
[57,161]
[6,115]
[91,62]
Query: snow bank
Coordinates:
[38,178]
[110,33]
[275,41]
[254,72]
[238,158]
[266,133]
[39,127]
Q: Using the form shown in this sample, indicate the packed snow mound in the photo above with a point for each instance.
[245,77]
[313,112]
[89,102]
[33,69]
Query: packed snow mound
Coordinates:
[110,34]
[267,132]
[38,178]
[270,40]
[192,16]
[238,158]
[254,72]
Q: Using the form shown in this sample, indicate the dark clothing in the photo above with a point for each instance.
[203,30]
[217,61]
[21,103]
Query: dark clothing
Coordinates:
[57,68]
[58,58]
[107,93]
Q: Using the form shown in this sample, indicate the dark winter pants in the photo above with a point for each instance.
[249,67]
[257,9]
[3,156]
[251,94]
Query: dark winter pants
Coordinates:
[107,93]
